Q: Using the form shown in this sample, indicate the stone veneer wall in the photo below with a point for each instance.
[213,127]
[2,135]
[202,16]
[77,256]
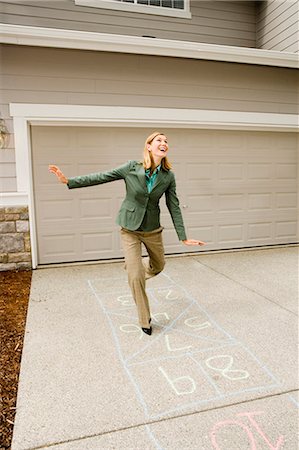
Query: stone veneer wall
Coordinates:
[15,249]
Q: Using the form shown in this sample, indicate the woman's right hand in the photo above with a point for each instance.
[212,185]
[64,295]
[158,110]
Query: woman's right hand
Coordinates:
[58,173]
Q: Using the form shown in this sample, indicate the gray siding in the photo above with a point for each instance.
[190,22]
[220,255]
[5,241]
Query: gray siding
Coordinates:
[213,22]
[61,76]
[278,25]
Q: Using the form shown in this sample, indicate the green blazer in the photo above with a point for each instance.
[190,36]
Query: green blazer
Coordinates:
[140,209]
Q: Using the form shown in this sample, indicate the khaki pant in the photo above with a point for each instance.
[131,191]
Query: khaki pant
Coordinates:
[139,269]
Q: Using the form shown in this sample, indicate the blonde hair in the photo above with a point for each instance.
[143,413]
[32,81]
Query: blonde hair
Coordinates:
[148,162]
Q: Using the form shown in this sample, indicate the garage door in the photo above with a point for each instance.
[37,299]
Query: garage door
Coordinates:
[237,189]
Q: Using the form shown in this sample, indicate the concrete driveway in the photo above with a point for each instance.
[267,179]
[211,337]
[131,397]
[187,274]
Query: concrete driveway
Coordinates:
[220,370]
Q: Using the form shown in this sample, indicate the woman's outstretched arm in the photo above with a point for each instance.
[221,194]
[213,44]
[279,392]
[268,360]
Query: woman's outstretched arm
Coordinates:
[92,179]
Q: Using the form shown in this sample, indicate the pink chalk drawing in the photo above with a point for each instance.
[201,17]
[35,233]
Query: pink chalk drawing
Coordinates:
[250,416]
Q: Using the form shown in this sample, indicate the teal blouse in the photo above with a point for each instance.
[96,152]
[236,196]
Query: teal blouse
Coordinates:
[150,179]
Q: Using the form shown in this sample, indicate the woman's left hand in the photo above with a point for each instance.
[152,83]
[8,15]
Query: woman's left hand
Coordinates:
[193,242]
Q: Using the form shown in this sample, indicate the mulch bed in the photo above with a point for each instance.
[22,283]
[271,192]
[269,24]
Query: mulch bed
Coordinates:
[14,296]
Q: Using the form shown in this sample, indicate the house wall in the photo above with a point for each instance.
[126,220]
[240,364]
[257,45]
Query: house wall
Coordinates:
[278,25]
[77,77]
[222,22]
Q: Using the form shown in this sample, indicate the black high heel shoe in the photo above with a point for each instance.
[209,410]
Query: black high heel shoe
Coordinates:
[147,330]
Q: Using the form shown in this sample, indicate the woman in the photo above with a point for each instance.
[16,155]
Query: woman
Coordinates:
[139,215]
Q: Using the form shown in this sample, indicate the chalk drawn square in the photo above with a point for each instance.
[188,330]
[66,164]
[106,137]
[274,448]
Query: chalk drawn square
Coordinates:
[171,302]
[233,369]
[196,322]
[118,301]
[170,385]
[171,295]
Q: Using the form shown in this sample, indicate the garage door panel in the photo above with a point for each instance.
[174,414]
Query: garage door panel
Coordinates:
[231,202]
[260,230]
[286,200]
[285,229]
[232,140]
[66,247]
[58,247]
[95,208]
[260,201]
[200,204]
[263,140]
[90,138]
[236,189]
[260,171]
[230,171]
[200,171]
[56,210]
[232,233]
[95,243]
[285,171]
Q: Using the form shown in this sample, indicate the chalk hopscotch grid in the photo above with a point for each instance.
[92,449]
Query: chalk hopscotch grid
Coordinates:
[167,328]
[126,362]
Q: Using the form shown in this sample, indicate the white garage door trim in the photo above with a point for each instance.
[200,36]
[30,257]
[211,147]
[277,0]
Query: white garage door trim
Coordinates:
[25,115]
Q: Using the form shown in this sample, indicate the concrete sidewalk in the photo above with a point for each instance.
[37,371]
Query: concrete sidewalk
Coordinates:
[220,370]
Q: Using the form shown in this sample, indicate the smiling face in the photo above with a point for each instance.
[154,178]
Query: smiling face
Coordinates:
[158,147]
